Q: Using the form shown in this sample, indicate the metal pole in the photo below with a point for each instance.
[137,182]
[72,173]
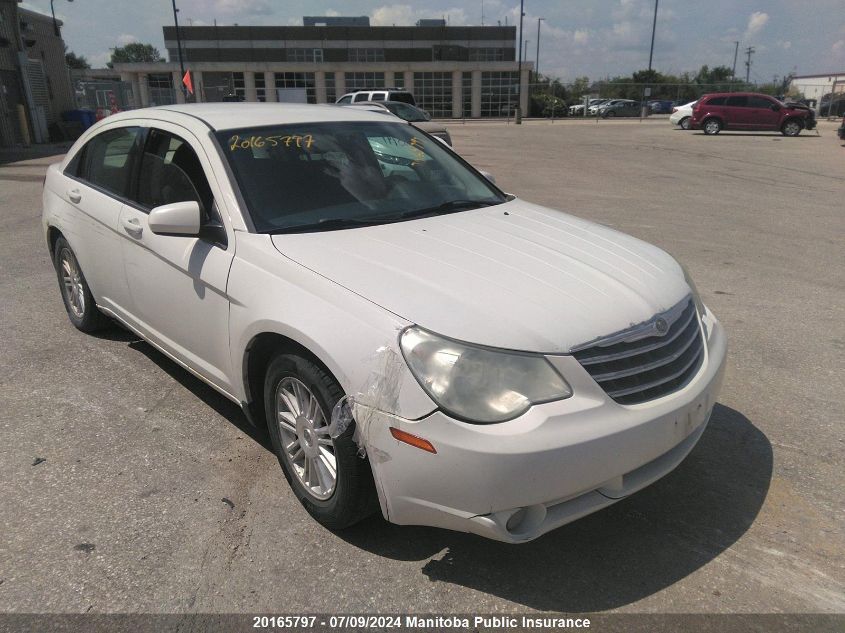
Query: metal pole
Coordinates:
[644,107]
[736,51]
[519,66]
[748,51]
[537,62]
[55,24]
[179,50]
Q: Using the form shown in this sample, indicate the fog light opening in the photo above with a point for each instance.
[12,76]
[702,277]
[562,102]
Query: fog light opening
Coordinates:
[526,520]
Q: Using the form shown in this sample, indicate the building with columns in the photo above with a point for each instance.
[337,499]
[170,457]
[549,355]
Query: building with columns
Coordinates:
[452,71]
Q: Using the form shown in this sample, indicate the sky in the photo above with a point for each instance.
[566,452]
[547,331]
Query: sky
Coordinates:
[593,38]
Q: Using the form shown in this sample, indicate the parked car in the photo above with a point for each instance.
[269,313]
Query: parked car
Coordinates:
[504,368]
[661,106]
[578,108]
[681,115]
[593,110]
[620,108]
[381,94]
[750,111]
[417,117]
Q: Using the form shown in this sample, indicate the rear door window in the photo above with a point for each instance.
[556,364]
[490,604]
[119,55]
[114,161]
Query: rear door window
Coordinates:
[716,101]
[379,96]
[107,160]
[759,102]
[737,102]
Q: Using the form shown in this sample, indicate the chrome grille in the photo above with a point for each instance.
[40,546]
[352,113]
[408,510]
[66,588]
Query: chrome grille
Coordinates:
[642,364]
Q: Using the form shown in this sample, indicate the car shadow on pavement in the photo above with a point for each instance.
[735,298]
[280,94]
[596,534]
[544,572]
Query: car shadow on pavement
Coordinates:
[222,405]
[614,557]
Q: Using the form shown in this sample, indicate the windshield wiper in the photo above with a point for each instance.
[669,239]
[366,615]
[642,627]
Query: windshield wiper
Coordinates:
[327,224]
[446,207]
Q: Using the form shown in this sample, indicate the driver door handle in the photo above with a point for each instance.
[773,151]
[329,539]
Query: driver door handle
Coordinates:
[133,227]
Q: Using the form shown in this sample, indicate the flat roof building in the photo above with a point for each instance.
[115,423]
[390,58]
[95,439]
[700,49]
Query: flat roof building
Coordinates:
[453,71]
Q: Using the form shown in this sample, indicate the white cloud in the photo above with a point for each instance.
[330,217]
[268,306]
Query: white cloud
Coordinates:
[756,22]
[405,15]
[225,10]
[581,37]
[125,38]
[331,13]
[838,47]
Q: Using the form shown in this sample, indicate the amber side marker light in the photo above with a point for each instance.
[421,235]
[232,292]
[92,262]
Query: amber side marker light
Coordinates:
[413,440]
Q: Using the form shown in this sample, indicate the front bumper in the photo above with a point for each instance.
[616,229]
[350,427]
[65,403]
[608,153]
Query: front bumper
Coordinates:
[558,462]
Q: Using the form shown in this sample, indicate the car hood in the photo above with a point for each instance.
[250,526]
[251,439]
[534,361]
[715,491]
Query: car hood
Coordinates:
[431,127]
[515,276]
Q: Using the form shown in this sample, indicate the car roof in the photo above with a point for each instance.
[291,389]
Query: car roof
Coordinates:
[227,116]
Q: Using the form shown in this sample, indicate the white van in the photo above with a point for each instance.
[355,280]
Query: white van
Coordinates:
[382,94]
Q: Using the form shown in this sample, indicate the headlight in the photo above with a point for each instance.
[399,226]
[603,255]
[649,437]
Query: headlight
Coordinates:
[478,384]
[699,304]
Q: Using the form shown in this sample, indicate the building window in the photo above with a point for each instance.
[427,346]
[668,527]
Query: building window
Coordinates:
[498,93]
[433,92]
[305,54]
[399,80]
[296,83]
[331,92]
[486,54]
[260,87]
[466,93]
[364,81]
[161,89]
[366,54]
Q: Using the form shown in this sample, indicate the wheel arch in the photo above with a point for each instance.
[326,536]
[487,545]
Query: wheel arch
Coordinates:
[257,355]
[793,119]
[53,235]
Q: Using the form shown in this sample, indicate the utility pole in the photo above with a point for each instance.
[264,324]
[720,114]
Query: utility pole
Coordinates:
[179,50]
[736,52]
[749,52]
[518,117]
[537,61]
[526,42]
[644,110]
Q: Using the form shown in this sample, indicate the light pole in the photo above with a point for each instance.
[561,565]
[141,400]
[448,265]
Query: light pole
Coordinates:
[55,23]
[518,118]
[644,110]
[537,60]
[179,51]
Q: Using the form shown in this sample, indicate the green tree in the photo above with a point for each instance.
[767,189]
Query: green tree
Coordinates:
[75,61]
[135,52]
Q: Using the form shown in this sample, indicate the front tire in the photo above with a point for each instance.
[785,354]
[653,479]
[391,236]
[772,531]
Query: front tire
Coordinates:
[791,128]
[712,126]
[326,474]
[684,123]
[79,302]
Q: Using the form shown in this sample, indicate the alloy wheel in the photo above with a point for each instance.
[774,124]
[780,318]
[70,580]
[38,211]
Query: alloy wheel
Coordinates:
[72,287]
[304,431]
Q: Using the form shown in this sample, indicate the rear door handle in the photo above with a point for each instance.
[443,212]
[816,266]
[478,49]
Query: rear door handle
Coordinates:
[133,227]
[74,195]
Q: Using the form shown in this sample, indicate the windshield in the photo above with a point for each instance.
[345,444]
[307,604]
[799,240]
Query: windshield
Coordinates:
[405,111]
[325,176]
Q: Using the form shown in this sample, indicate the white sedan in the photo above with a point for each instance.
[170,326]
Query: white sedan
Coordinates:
[682,115]
[413,339]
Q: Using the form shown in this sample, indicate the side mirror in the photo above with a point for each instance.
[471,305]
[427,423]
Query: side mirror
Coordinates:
[775,107]
[488,175]
[178,218]
[427,115]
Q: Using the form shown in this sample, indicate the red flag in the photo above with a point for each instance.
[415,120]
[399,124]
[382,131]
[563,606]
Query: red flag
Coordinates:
[187,81]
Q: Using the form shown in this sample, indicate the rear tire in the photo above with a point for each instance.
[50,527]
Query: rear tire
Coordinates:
[79,302]
[299,433]
[712,127]
[684,123]
[791,128]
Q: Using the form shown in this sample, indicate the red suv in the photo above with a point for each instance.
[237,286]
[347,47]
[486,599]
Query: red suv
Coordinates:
[750,111]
